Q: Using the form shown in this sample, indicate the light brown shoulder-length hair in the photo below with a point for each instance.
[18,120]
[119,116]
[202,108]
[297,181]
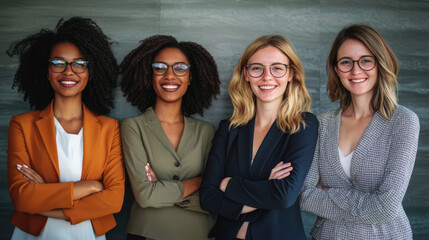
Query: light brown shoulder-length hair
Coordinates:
[385,96]
[296,99]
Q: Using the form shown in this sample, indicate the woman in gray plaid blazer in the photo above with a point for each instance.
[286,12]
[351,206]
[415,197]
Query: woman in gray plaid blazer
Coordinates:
[366,149]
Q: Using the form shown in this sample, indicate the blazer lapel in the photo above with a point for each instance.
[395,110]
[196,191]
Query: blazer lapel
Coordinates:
[369,138]
[91,138]
[152,122]
[333,145]
[267,146]
[245,143]
[46,128]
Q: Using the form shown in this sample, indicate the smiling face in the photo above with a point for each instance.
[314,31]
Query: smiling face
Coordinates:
[268,88]
[67,84]
[358,82]
[169,87]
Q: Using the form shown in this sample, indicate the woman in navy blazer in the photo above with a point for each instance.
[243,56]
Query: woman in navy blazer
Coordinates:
[261,155]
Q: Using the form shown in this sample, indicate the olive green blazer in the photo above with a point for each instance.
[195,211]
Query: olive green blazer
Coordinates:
[154,213]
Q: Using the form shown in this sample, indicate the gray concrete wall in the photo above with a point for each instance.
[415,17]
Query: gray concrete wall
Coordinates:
[225,28]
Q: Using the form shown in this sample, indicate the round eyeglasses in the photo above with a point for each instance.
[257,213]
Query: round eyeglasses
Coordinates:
[59,66]
[256,70]
[346,64]
[179,69]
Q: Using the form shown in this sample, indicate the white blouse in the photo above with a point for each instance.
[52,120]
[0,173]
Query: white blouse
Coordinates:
[70,160]
[346,162]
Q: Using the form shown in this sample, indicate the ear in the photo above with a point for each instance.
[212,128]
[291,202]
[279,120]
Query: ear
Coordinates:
[245,74]
[290,75]
[336,70]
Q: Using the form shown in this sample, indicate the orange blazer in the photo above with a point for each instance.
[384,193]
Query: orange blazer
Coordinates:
[32,141]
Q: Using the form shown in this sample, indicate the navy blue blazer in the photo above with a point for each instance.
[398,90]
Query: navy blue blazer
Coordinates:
[278,215]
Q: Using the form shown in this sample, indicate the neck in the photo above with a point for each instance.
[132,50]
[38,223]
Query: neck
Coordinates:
[359,107]
[168,112]
[266,113]
[68,108]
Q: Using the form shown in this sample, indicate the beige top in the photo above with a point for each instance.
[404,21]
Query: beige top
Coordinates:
[153,214]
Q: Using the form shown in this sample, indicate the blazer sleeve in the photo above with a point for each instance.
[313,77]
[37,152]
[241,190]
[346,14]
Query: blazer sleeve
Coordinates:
[384,204]
[49,196]
[379,206]
[211,198]
[163,193]
[275,194]
[316,200]
[109,200]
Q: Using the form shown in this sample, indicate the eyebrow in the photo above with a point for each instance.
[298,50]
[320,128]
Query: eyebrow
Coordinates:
[359,57]
[168,64]
[74,59]
[267,65]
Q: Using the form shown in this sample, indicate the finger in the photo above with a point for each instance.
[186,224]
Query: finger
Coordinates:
[152,173]
[31,174]
[146,167]
[29,180]
[25,171]
[280,173]
[281,166]
[283,176]
[286,170]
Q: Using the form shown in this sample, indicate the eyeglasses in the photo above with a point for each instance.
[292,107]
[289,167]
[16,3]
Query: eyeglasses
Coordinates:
[179,69]
[346,64]
[256,70]
[59,66]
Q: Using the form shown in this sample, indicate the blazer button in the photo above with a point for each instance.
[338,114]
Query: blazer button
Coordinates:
[177,164]
[175,177]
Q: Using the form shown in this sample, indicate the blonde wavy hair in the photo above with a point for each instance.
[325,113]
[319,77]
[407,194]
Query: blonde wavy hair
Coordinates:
[385,97]
[296,99]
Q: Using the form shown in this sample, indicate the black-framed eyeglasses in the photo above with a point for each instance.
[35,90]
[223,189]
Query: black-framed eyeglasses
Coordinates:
[59,65]
[179,69]
[256,70]
[366,63]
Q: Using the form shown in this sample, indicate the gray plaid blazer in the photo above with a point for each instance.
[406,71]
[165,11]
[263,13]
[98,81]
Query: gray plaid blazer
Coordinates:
[369,205]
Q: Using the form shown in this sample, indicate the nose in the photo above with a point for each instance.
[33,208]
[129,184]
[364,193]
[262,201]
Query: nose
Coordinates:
[267,74]
[68,70]
[169,73]
[356,68]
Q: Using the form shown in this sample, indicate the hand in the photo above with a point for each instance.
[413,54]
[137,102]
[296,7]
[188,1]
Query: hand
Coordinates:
[280,171]
[30,174]
[319,185]
[85,188]
[151,176]
[224,183]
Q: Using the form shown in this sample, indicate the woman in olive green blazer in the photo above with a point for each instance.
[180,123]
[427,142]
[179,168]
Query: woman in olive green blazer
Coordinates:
[164,149]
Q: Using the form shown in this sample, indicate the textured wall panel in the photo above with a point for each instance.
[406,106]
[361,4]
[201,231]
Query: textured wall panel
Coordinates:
[225,28]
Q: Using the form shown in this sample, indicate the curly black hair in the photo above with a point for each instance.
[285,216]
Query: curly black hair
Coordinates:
[137,75]
[34,52]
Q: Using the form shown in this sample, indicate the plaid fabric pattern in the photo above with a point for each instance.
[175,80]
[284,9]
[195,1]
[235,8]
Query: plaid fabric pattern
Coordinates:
[369,205]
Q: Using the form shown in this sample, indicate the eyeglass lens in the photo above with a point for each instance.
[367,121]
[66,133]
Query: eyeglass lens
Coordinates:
[346,64]
[59,66]
[277,70]
[179,69]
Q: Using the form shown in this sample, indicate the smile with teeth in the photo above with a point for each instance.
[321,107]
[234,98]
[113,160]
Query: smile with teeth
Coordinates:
[357,80]
[267,87]
[68,82]
[170,86]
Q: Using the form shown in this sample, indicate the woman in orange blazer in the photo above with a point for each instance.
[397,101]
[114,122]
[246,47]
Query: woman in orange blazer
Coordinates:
[65,169]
